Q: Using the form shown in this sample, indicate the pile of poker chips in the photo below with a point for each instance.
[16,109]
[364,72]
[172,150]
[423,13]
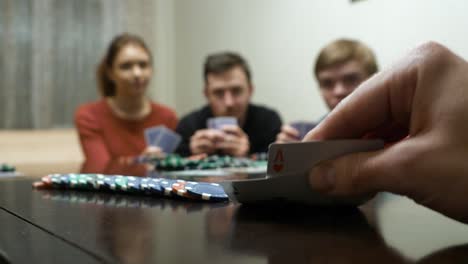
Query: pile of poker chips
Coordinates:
[7,168]
[174,162]
[196,191]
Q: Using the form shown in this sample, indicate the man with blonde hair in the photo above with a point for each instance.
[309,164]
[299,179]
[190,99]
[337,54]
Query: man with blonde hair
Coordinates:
[341,67]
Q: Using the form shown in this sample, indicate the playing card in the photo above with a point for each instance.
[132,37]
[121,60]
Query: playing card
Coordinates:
[151,135]
[299,157]
[303,128]
[167,140]
[162,137]
[210,123]
[288,169]
[219,122]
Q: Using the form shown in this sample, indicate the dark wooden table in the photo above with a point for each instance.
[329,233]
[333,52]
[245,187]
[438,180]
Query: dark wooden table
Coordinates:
[45,226]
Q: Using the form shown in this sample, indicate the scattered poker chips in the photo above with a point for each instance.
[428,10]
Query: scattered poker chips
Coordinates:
[7,168]
[201,191]
[174,162]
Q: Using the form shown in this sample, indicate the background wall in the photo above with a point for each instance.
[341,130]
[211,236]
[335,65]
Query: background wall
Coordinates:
[49,48]
[281,38]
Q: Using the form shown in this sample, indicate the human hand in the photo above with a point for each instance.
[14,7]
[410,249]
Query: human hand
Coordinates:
[288,134]
[204,141]
[235,141]
[153,152]
[426,92]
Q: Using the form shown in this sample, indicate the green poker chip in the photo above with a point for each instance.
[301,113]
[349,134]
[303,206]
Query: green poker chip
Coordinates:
[121,183]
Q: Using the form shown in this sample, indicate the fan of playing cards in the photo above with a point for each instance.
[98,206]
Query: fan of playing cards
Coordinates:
[162,137]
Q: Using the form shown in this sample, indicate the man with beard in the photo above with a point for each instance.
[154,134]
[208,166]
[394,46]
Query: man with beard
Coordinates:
[228,90]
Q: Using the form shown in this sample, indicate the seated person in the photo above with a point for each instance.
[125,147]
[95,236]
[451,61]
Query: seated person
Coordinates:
[112,129]
[340,67]
[228,90]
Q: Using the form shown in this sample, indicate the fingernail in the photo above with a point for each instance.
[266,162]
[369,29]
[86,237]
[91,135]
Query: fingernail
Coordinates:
[322,177]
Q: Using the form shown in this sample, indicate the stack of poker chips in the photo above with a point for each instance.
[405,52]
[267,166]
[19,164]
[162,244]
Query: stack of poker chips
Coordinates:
[7,168]
[201,191]
[174,162]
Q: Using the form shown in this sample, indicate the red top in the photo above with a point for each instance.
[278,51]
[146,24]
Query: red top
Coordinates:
[105,137]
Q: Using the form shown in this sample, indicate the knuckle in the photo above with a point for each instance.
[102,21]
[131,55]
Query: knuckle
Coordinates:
[435,52]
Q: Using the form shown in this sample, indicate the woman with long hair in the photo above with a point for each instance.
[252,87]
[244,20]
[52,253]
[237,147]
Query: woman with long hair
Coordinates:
[112,129]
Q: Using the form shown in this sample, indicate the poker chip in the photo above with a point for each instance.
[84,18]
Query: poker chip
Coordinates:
[55,180]
[88,181]
[207,191]
[133,184]
[174,162]
[64,181]
[7,168]
[109,183]
[179,189]
[166,185]
[150,186]
[73,178]
[47,180]
[121,183]
[100,185]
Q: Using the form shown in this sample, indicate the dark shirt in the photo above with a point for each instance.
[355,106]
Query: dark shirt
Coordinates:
[261,125]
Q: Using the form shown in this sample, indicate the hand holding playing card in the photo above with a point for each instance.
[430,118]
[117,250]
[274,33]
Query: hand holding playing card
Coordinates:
[235,141]
[153,152]
[163,138]
[220,122]
[426,92]
[204,141]
[288,134]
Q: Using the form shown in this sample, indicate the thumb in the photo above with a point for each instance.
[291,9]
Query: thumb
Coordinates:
[361,173]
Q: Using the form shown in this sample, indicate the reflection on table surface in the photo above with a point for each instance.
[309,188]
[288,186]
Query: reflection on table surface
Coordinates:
[140,229]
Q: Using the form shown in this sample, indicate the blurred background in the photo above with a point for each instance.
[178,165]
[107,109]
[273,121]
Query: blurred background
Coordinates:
[50,48]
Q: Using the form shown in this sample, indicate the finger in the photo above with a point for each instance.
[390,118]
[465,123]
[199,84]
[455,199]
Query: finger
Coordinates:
[213,134]
[203,144]
[290,131]
[232,129]
[229,141]
[199,134]
[284,138]
[391,169]
[152,150]
[233,145]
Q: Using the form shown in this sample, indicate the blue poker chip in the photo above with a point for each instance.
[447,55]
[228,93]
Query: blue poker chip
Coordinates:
[151,186]
[100,185]
[109,183]
[133,184]
[64,180]
[207,191]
